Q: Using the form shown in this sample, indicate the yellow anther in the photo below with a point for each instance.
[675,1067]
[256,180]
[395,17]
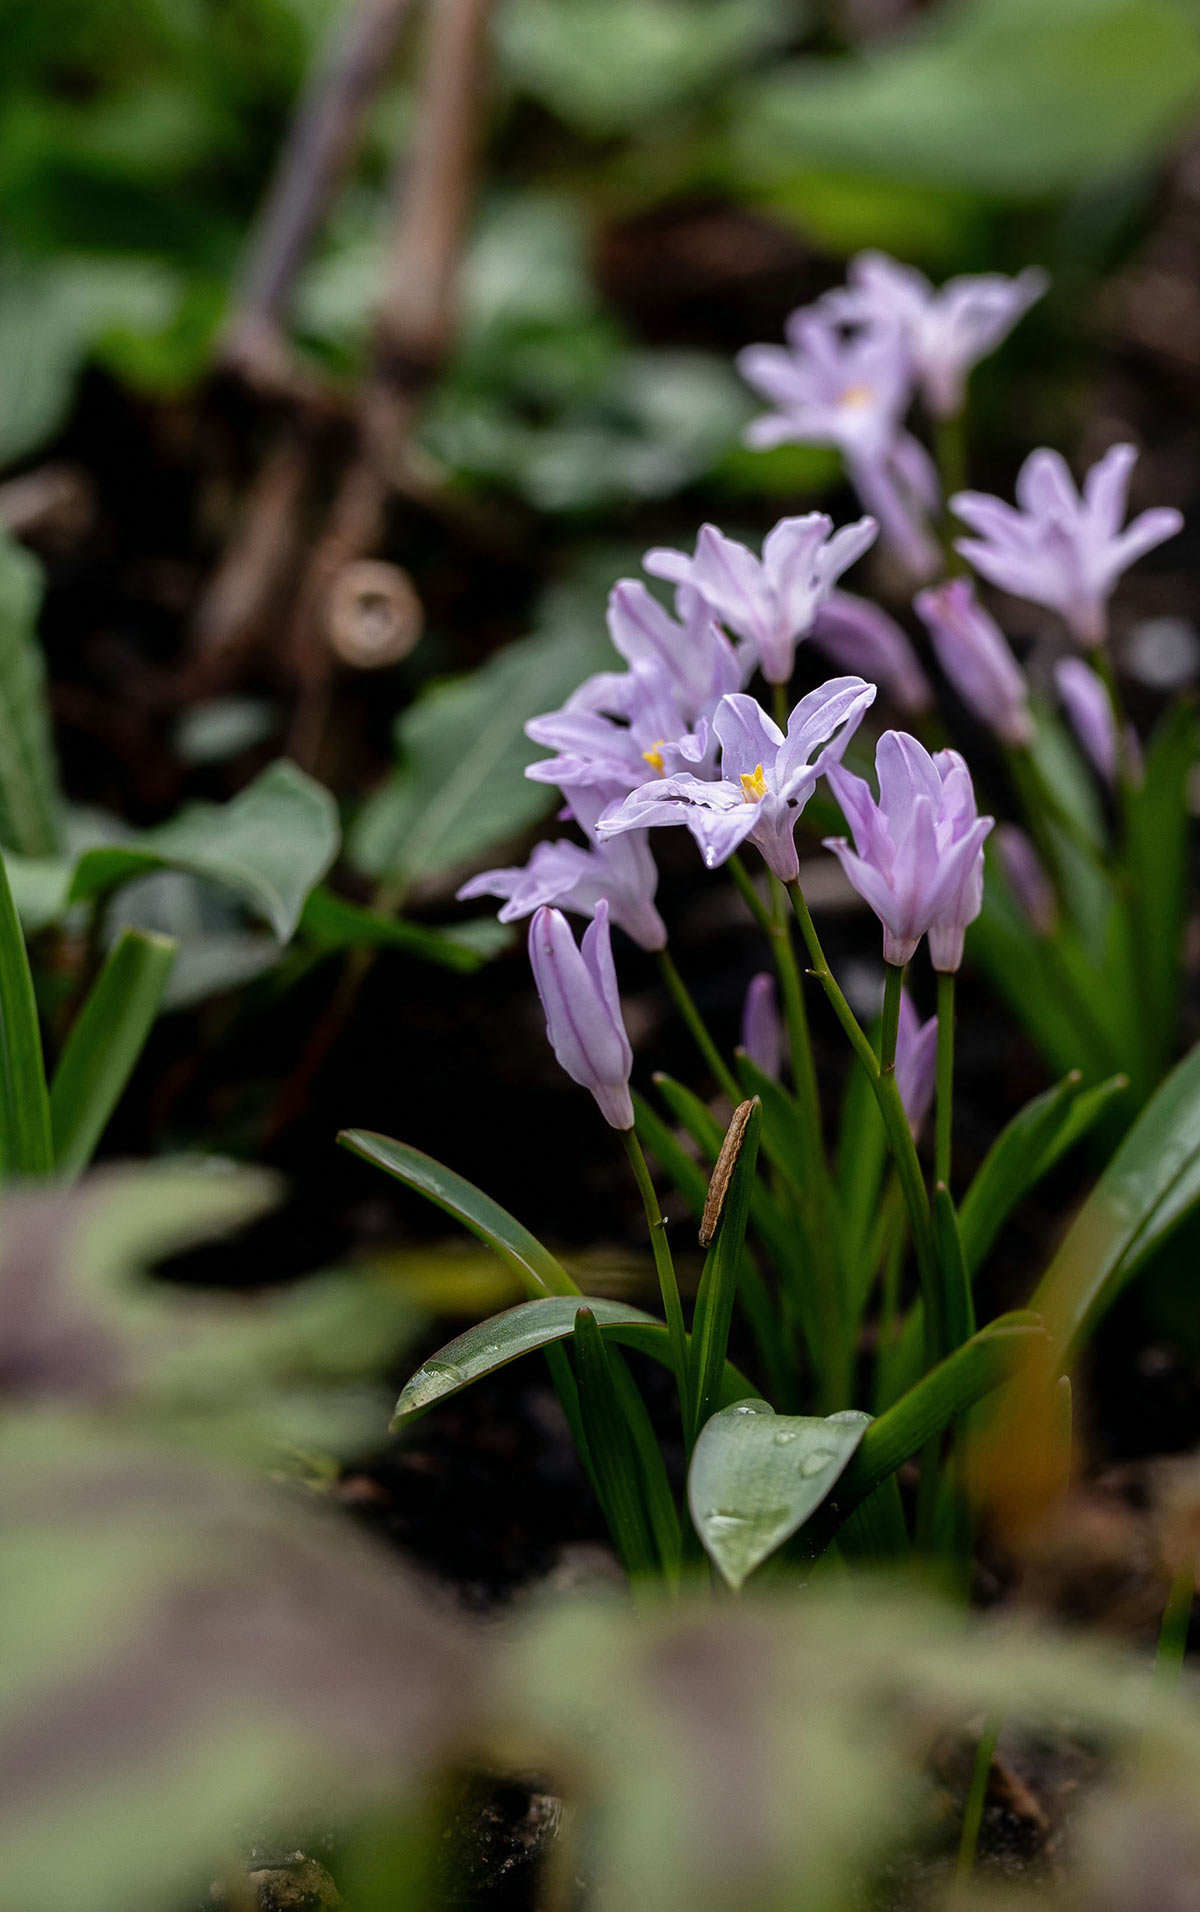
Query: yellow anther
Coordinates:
[655,757]
[855,397]
[754,788]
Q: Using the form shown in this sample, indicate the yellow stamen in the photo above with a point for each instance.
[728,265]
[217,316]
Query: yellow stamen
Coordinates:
[655,757]
[754,788]
[855,397]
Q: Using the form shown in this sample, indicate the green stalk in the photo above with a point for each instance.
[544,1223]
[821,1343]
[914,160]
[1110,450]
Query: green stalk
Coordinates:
[944,1116]
[668,1286]
[834,1377]
[685,1003]
[904,1154]
[779,705]
[892,987]
[985,1752]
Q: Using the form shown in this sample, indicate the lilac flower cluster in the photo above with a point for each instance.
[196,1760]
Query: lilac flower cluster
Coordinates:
[675,738]
[852,366]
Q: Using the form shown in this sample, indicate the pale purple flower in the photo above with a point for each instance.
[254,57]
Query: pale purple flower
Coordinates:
[946,329]
[1087,703]
[762,1032]
[578,988]
[616,727]
[766,778]
[617,870]
[698,658]
[858,636]
[916,1062]
[851,390]
[1025,874]
[1063,548]
[770,601]
[973,652]
[918,855]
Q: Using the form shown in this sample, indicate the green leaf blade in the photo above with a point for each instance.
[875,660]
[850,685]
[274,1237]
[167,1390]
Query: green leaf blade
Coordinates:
[272,844]
[537,1269]
[105,1042]
[25,1143]
[757,1476]
[30,805]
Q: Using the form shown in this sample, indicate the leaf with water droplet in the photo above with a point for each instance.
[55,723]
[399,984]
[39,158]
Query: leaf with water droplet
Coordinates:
[757,1476]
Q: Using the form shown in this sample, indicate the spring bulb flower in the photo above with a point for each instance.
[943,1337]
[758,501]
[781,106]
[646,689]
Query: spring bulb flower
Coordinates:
[918,850]
[762,1031]
[974,654]
[916,1062]
[858,636]
[701,663]
[766,778]
[578,988]
[1025,874]
[572,876]
[851,390]
[768,602]
[617,728]
[1061,547]
[1089,708]
[946,329]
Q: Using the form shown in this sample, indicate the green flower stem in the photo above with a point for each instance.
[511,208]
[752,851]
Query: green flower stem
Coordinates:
[834,1379]
[944,1117]
[668,1286]
[1102,664]
[893,985]
[779,705]
[685,1003]
[899,1135]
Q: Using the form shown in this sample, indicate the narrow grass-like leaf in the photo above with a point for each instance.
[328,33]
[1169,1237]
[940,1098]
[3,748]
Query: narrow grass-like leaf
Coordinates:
[25,1147]
[1151,1184]
[334,922]
[106,1039]
[611,1446]
[770,1339]
[862,1155]
[777,1232]
[719,1281]
[756,1477]
[956,1285]
[782,1136]
[532,1325]
[30,805]
[272,844]
[947,1391]
[1038,1136]
[534,1265]
[1158,831]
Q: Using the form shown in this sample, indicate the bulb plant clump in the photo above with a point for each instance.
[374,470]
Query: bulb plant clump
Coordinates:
[853,1267]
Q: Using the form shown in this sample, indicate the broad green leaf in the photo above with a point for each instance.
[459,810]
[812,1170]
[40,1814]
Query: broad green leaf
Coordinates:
[756,1476]
[613,1453]
[25,1146]
[1151,1184]
[272,844]
[336,923]
[534,1265]
[733,1185]
[532,1325]
[461,785]
[612,65]
[1025,1150]
[1010,97]
[40,887]
[106,1039]
[29,796]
